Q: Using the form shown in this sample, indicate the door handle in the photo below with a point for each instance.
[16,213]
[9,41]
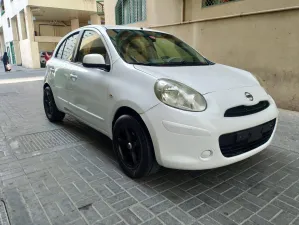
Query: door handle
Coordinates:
[73,77]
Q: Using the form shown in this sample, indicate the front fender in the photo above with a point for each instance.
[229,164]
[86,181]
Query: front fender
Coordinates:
[124,103]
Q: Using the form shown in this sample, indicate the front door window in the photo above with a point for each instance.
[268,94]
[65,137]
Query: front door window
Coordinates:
[92,44]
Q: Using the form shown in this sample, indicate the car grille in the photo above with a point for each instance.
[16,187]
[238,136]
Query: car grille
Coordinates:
[244,110]
[237,143]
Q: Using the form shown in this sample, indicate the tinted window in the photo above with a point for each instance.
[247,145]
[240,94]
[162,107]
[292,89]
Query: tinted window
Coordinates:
[69,47]
[92,44]
[60,51]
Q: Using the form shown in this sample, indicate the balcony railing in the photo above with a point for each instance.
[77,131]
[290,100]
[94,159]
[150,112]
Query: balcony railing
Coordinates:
[100,7]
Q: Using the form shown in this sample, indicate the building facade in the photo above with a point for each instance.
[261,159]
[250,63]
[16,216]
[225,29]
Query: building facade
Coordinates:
[29,27]
[260,36]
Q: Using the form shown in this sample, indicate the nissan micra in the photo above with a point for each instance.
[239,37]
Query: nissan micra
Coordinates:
[159,100]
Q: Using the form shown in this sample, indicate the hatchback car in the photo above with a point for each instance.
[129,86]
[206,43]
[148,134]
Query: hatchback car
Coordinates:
[158,99]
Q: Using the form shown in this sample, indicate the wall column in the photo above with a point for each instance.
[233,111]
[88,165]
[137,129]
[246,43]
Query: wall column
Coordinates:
[75,24]
[14,27]
[22,26]
[29,48]
[29,23]
[95,19]
[2,43]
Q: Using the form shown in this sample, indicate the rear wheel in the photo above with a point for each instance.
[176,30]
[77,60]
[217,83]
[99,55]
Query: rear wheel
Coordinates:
[51,110]
[133,147]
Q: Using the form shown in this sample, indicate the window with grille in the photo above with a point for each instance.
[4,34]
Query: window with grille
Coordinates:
[206,3]
[130,11]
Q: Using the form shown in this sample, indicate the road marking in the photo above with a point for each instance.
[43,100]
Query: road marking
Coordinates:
[20,80]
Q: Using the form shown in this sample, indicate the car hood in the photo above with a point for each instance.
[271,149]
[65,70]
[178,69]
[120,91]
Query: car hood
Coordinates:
[205,79]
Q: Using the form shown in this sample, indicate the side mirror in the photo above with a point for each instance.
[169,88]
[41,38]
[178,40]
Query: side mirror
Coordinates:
[95,61]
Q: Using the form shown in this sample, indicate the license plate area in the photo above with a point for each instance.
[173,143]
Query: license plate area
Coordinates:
[242,136]
[239,142]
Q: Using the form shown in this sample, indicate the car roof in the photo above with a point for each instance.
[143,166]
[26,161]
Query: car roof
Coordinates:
[106,27]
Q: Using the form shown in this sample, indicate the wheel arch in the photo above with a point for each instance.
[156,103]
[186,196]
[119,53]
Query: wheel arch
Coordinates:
[46,85]
[125,110]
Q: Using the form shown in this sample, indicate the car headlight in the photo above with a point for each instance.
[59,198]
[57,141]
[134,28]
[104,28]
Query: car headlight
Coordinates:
[179,96]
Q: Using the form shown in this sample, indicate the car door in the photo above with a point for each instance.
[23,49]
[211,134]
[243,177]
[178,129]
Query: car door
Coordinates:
[60,70]
[88,92]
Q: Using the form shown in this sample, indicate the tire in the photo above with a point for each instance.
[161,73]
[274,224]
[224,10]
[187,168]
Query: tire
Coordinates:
[133,147]
[51,110]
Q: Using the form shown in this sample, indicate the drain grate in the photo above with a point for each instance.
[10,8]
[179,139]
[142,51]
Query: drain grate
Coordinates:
[4,219]
[46,140]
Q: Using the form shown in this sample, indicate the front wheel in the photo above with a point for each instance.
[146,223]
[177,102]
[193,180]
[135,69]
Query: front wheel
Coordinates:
[133,147]
[51,110]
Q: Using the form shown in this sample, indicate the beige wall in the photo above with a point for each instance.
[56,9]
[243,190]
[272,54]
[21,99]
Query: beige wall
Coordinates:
[164,12]
[47,39]
[44,46]
[44,28]
[88,5]
[110,12]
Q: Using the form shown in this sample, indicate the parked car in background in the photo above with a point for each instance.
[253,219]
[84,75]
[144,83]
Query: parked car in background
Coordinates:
[45,57]
[158,99]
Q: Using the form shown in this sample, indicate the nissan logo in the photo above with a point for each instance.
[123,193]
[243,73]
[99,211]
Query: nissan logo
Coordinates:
[249,96]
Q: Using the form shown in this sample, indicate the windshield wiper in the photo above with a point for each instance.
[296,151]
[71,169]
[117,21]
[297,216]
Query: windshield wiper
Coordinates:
[184,63]
[145,64]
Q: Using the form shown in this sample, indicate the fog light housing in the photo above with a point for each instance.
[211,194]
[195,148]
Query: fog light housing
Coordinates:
[206,154]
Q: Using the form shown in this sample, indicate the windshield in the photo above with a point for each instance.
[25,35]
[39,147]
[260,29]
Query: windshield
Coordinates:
[154,49]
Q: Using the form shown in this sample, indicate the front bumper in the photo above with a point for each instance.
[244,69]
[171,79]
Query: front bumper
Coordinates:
[181,139]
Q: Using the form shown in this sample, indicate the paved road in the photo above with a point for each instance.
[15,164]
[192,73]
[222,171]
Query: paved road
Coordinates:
[66,174]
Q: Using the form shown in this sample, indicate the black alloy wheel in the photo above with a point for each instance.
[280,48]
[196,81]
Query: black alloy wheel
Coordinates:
[51,110]
[133,147]
[129,147]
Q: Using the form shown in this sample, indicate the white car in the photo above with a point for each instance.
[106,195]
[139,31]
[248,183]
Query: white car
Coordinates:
[159,100]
